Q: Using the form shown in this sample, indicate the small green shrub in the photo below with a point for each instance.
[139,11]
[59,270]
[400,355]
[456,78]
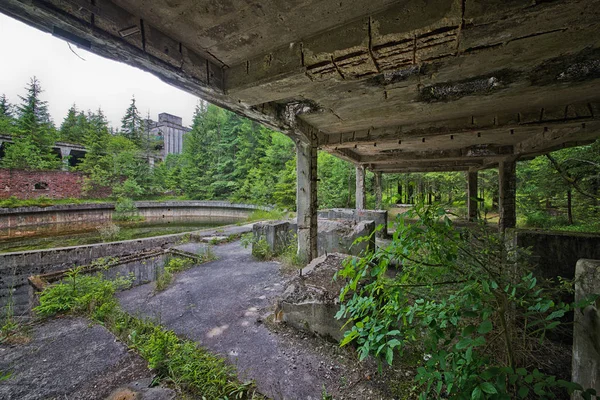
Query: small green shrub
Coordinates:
[163,280]
[261,250]
[78,293]
[178,264]
[109,232]
[126,210]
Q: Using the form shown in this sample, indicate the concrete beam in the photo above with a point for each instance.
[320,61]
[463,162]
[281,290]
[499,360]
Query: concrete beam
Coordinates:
[431,168]
[108,30]
[306,197]
[472,195]
[507,207]
[493,124]
[471,152]
[553,137]
[361,193]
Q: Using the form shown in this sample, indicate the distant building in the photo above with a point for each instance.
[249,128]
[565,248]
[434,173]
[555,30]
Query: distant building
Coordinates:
[169,131]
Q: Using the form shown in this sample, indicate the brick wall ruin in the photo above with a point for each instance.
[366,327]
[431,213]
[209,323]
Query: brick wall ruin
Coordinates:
[51,184]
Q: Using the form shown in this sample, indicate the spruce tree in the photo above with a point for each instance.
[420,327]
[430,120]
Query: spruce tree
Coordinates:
[34,134]
[7,121]
[131,124]
[69,125]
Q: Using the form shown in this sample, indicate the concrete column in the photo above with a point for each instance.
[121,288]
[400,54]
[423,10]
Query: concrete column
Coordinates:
[65,152]
[472,195]
[306,198]
[507,178]
[378,191]
[586,329]
[361,195]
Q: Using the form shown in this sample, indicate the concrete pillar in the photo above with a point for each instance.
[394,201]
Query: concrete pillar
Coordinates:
[65,152]
[378,191]
[361,195]
[306,198]
[472,195]
[507,178]
[586,328]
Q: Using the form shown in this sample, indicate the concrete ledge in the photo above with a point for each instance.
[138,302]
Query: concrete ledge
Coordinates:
[14,218]
[380,217]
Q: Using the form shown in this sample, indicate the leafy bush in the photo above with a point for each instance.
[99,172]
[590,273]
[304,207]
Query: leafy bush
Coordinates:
[89,294]
[475,308]
[178,264]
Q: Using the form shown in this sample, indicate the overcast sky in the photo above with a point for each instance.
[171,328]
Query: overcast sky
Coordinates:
[95,82]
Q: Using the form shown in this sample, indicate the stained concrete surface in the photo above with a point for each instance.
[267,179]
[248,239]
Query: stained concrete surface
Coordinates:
[72,358]
[223,305]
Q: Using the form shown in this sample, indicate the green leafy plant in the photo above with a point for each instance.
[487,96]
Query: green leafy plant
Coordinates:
[471,304]
[80,293]
[126,210]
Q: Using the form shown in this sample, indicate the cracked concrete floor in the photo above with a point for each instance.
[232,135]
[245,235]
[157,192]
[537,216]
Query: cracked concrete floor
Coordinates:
[222,305]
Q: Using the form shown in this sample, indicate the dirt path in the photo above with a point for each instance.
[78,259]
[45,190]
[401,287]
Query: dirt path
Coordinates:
[222,305]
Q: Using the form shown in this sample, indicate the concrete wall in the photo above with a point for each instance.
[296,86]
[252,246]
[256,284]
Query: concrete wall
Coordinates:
[380,217]
[60,185]
[16,267]
[334,236]
[556,253]
[28,221]
[586,329]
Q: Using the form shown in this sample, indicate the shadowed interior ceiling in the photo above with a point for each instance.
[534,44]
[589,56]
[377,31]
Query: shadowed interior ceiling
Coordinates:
[396,86]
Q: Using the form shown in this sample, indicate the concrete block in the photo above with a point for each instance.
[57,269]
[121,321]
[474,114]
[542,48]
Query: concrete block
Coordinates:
[379,216]
[310,301]
[586,330]
[338,236]
[278,234]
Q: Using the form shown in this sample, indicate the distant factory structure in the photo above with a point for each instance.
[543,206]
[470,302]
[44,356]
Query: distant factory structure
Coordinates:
[168,130]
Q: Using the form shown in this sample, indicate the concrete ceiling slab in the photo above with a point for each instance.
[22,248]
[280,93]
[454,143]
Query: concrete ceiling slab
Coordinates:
[393,85]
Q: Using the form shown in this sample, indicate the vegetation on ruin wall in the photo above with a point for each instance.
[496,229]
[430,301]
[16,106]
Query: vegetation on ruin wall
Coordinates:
[228,157]
[471,306]
[177,361]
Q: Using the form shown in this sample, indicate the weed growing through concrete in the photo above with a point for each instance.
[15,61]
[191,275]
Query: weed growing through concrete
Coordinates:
[178,361]
[178,264]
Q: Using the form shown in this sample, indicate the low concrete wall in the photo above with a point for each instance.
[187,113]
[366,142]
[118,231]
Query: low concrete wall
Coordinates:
[30,221]
[16,267]
[556,253]
[380,217]
[334,236]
